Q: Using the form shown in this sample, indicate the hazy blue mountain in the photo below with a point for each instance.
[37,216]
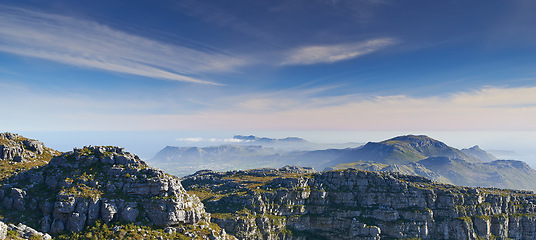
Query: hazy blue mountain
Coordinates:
[477,152]
[290,143]
[510,174]
[402,149]
[187,160]
[499,173]
[414,155]
[255,139]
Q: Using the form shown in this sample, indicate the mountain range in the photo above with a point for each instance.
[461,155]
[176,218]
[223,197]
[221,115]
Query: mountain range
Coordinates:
[289,143]
[104,192]
[411,154]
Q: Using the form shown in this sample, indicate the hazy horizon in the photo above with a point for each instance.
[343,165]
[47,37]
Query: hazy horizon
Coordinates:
[147,143]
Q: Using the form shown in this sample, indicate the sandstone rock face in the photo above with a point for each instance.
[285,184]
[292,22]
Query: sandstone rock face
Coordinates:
[3,230]
[22,232]
[354,204]
[85,185]
[16,148]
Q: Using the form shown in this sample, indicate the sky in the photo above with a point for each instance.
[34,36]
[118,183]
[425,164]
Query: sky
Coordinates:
[267,66]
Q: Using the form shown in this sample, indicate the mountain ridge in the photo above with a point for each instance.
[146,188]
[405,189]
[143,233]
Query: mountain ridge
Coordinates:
[254,139]
[403,149]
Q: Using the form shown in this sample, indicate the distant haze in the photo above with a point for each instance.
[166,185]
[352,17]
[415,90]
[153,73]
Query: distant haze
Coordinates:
[147,144]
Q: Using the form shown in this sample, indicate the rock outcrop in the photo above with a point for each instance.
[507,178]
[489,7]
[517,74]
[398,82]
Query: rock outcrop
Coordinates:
[98,183]
[21,231]
[17,148]
[353,204]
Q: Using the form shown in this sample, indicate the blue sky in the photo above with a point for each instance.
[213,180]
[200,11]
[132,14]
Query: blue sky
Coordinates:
[238,65]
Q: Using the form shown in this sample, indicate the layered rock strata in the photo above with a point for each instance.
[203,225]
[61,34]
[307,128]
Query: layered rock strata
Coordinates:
[98,183]
[353,204]
[17,148]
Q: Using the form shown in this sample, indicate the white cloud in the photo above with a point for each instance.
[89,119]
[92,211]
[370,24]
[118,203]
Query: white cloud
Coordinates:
[89,44]
[334,53]
[489,108]
[194,139]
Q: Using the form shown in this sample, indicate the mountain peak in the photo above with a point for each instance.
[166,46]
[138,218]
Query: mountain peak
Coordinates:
[477,152]
[417,140]
[404,149]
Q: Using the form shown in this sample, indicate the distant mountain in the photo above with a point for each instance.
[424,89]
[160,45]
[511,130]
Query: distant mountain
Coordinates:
[500,173]
[254,139]
[410,168]
[477,152]
[290,143]
[187,160]
[424,156]
[403,149]
[411,154]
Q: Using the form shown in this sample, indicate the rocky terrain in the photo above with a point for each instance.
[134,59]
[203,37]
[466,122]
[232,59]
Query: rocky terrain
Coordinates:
[18,153]
[17,148]
[294,203]
[103,192]
[102,185]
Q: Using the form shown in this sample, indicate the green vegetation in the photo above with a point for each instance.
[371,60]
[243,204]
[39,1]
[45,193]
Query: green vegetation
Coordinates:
[81,190]
[101,230]
[9,168]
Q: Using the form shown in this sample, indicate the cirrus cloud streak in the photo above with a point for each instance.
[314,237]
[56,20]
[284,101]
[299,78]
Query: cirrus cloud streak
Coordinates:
[489,108]
[88,44]
[335,52]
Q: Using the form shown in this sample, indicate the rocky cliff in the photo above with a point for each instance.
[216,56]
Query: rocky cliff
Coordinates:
[17,148]
[18,154]
[100,184]
[352,204]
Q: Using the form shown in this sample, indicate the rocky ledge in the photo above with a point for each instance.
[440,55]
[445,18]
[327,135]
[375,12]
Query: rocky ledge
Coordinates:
[354,204]
[17,148]
[91,184]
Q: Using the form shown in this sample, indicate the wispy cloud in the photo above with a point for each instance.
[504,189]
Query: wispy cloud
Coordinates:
[489,108]
[335,53]
[89,44]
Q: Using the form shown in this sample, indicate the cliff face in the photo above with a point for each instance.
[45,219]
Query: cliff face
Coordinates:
[92,184]
[17,148]
[352,204]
